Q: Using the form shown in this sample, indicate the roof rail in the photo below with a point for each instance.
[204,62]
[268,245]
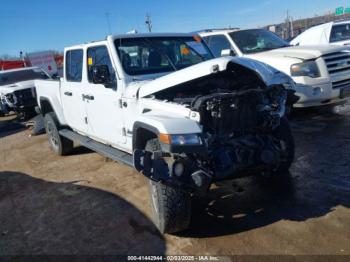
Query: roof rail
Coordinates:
[341,20]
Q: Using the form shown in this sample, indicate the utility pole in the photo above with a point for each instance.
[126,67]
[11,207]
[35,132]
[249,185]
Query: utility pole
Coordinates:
[21,57]
[149,23]
[108,23]
[287,26]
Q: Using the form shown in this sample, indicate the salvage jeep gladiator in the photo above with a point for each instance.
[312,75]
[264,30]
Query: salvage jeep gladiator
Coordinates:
[164,105]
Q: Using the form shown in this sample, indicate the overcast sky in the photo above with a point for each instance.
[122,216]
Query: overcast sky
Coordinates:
[44,24]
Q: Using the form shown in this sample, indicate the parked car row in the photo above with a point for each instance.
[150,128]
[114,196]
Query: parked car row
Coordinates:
[321,73]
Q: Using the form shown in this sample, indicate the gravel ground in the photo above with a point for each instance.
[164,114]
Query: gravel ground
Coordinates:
[86,204]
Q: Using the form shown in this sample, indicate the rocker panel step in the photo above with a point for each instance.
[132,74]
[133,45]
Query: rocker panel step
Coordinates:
[105,150]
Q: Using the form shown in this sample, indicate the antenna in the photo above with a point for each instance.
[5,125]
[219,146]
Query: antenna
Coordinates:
[108,23]
[148,22]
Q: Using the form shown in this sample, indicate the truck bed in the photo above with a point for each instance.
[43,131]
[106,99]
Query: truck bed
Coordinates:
[49,90]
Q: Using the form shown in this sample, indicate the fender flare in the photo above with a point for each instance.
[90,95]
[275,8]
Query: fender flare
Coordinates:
[148,133]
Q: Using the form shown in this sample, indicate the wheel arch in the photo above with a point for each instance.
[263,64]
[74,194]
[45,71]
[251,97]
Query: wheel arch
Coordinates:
[142,133]
[47,106]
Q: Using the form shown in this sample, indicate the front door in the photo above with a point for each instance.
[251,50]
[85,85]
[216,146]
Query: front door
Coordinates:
[103,107]
[72,89]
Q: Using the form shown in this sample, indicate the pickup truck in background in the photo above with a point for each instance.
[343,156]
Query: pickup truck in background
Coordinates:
[321,73]
[162,104]
[332,33]
[17,90]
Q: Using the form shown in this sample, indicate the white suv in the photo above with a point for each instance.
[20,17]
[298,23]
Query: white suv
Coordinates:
[321,73]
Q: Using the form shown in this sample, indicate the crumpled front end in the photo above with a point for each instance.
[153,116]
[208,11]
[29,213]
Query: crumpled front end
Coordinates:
[239,114]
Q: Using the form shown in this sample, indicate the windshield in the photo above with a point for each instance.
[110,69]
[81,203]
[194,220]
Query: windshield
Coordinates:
[257,40]
[340,33]
[22,75]
[151,55]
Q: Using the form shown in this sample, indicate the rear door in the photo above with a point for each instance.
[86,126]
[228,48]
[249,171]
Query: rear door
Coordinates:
[103,106]
[72,90]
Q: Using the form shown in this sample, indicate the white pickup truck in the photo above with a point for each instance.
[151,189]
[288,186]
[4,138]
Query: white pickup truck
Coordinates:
[17,90]
[162,104]
[321,73]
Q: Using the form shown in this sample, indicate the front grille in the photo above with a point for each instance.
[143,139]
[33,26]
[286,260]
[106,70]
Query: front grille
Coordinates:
[338,65]
[24,97]
[24,94]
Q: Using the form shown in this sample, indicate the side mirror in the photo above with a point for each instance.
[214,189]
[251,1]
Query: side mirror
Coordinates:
[227,52]
[100,74]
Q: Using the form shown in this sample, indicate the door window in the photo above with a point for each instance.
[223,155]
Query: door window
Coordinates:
[217,43]
[99,56]
[74,65]
[340,33]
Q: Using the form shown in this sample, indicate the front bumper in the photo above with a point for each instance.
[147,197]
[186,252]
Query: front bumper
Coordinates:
[318,95]
[242,156]
[159,167]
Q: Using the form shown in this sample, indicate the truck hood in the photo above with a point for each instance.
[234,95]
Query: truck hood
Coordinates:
[300,52]
[16,86]
[267,73]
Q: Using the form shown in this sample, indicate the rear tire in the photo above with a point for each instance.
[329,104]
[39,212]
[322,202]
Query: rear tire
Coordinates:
[171,206]
[59,144]
[284,134]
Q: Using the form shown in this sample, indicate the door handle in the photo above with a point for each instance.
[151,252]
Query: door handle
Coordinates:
[88,97]
[68,93]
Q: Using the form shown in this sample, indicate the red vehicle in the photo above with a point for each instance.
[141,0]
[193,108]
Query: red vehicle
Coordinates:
[11,64]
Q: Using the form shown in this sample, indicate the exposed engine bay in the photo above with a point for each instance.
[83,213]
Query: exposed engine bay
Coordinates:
[239,115]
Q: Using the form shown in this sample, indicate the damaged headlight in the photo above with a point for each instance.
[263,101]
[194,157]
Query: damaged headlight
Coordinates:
[8,99]
[307,68]
[185,139]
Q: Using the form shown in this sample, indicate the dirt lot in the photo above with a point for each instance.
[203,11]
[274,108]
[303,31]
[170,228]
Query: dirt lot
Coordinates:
[85,204]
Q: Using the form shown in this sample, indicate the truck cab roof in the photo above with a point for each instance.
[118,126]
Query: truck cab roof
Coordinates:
[128,36]
[207,32]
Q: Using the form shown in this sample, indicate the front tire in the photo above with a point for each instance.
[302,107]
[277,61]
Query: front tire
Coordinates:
[171,206]
[59,144]
[284,133]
